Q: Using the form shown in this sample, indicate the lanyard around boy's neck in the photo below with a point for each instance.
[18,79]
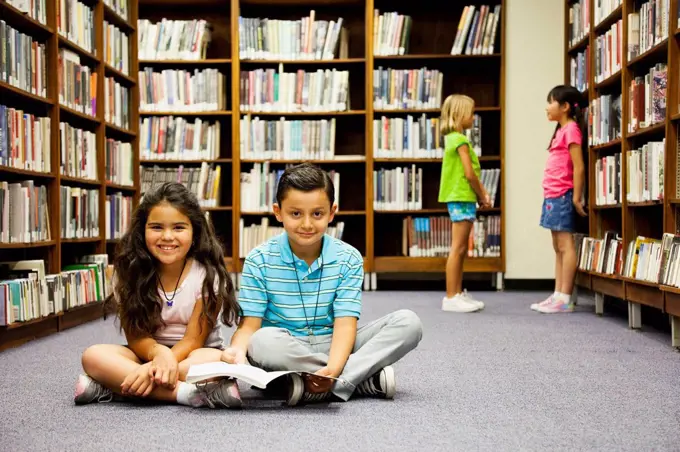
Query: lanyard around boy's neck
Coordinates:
[310,328]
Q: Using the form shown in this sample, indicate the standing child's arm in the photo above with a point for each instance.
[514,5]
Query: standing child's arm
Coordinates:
[579,177]
[482,195]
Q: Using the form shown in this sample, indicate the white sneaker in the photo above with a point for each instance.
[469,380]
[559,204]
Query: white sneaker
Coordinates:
[458,304]
[468,297]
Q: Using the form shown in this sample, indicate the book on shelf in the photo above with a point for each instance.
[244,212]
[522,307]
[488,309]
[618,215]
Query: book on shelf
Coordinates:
[173,39]
[79,212]
[579,21]
[604,122]
[413,137]
[116,103]
[118,167]
[603,8]
[35,9]
[286,139]
[120,7]
[579,70]
[179,90]
[608,52]
[647,98]
[75,22]
[603,255]
[647,27]
[177,138]
[258,187]
[476,32]
[28,293]
[23,61]
[271,90]
[646,172]
[77,152]
[669,268]
[608,180]
[398,188]
[24,212]
[204,181]
[398,89]
[391,33]
[643,259]
[490,179]
[25,140]
[77,84]
[118,209]
[116,48]
[431,236]
[256,234]
[307,38]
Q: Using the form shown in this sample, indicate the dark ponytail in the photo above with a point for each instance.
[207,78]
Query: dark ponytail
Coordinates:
[578,109]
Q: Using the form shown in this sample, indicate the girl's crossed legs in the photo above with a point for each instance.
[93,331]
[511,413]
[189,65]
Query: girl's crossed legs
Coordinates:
[107,366]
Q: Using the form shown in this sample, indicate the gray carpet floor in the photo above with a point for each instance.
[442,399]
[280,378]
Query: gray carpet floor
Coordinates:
[503,379]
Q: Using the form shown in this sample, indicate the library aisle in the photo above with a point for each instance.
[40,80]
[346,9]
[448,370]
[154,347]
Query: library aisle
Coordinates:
[506,378]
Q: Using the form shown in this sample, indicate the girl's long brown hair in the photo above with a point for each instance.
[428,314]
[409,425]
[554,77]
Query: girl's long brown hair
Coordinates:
[136,300]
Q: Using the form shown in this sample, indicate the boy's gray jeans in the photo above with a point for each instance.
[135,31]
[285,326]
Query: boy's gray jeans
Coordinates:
[378,344]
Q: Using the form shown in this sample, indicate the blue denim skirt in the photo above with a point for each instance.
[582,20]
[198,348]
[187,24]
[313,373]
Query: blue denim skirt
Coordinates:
[558,214]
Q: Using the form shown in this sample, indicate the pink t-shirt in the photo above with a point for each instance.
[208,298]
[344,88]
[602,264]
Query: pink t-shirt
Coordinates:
[559,169]
[177,316]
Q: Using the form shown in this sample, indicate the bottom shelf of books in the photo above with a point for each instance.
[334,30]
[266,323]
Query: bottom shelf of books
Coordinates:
[35,304]
[646,271]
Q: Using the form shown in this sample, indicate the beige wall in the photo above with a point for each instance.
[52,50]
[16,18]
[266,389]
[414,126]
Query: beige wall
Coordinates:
[534,63]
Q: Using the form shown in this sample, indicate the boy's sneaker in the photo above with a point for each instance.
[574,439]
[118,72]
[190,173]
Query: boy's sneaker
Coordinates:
[298,395]
[468,297]
[555,307]
[90,391]
[535,306]
[223,393]
[459,303]
[382,384]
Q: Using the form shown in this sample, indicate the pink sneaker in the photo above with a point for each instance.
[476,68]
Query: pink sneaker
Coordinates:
[535,306]
[555,307]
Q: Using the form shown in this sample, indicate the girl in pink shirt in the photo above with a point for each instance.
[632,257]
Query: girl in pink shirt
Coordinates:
[172,294]
[563,190]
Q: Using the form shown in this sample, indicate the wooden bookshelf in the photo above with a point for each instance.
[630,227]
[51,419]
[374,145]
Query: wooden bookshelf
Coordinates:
[631,219]
[376,234]
[57,251]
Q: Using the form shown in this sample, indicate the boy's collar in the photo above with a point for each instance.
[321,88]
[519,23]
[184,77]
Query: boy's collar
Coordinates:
[329,250]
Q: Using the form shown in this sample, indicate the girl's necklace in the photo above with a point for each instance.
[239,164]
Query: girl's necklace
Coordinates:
[169,301]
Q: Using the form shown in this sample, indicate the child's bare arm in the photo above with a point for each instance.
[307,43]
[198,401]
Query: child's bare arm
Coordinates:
[579,177]
[464,152]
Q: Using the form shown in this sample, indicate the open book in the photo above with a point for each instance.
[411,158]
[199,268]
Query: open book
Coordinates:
[245,372]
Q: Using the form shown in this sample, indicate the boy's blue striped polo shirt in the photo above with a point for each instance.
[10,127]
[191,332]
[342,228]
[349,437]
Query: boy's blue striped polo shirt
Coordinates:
[272,277]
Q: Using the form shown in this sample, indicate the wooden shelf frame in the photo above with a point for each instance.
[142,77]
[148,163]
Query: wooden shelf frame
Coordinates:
[649,219]
[51,250]
[224,16]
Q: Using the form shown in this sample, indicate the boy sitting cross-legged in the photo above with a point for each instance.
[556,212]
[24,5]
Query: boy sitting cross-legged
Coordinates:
[301,299]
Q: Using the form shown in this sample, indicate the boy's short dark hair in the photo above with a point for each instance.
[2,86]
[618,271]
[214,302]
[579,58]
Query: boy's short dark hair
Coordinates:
[305,177]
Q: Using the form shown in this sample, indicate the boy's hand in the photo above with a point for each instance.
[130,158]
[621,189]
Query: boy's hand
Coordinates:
[318,385]
[578,205]
[234,355]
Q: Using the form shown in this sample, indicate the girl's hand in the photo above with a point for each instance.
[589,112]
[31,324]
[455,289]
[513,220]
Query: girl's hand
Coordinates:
[485,201]
[138,383]
[234,355]
[578,205]
[163,368]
